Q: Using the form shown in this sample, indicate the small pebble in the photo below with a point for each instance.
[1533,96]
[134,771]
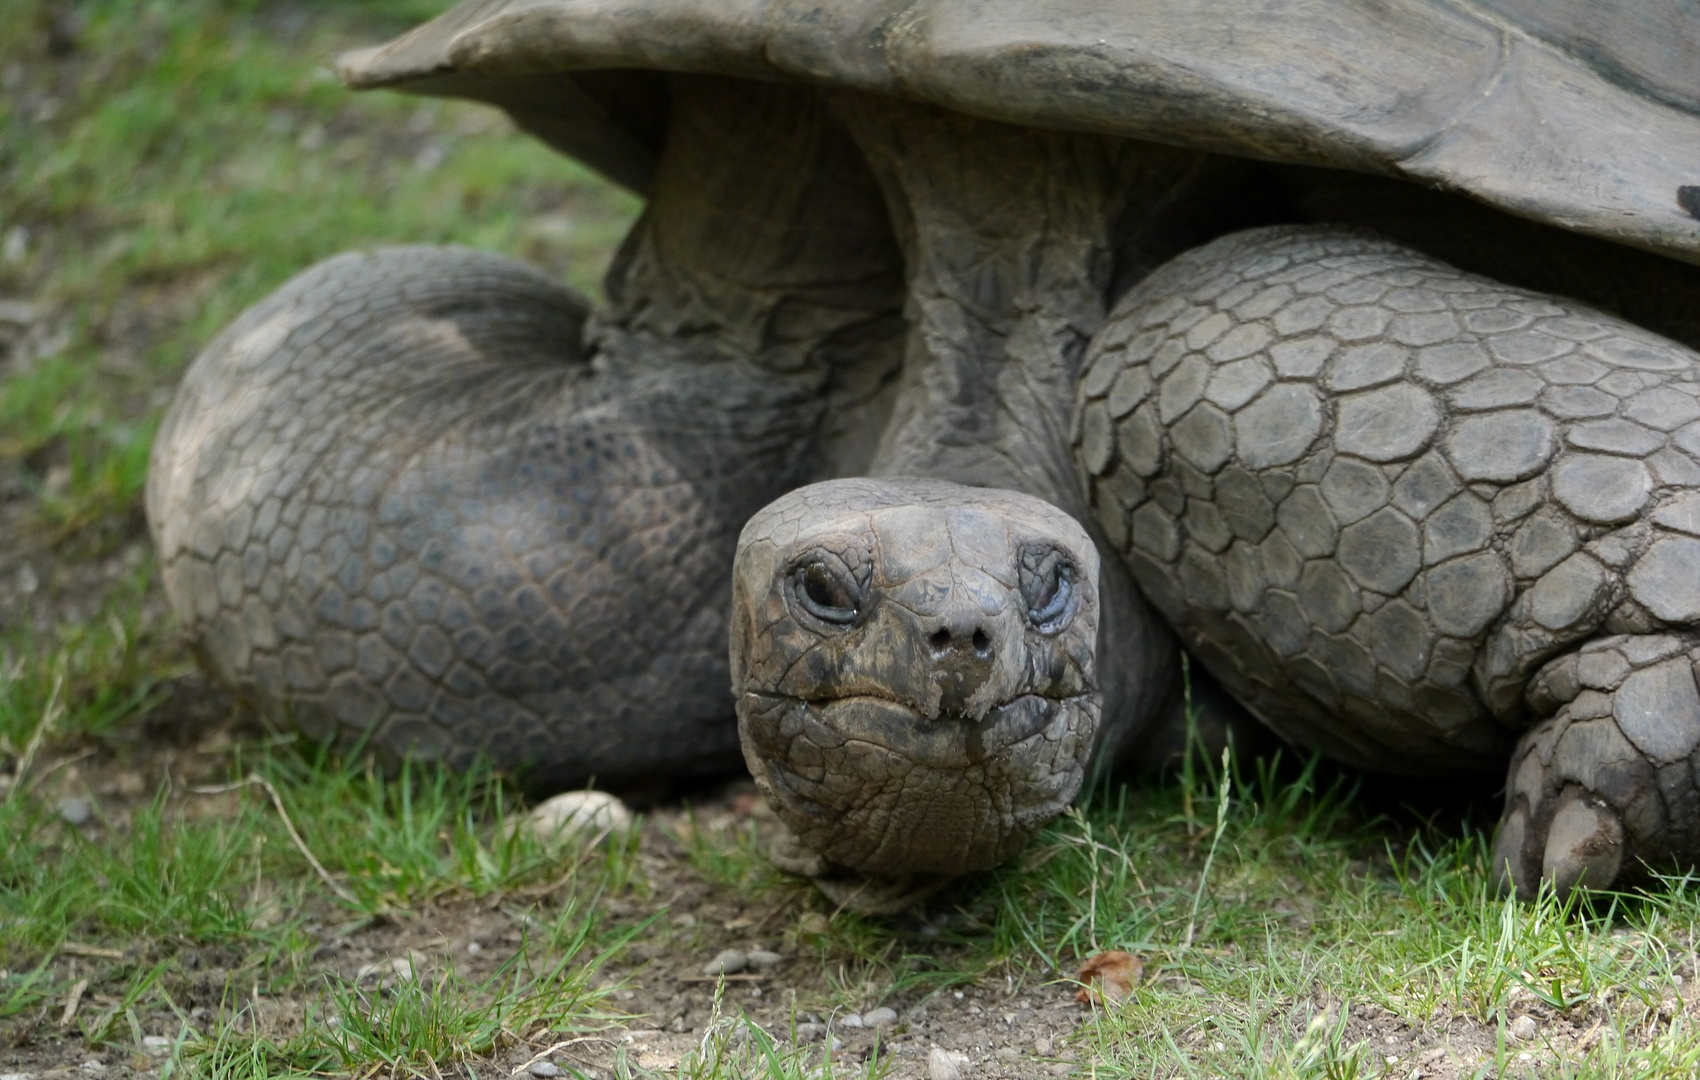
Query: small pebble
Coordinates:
[473,948]
[729,962]
[574,817]
[880,1017]
[543,1069]
[944,1065]
[156,1044]
[1523,1028]
[762,960]
[850,1020]
[814,924]
[1042,1045]
[75,810]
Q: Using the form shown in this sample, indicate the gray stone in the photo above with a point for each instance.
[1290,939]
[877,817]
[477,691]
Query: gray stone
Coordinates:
[1496,389]
[1595,487]
[544,1070]
[1615,436]
[1363,366]
[1354,489]
[1564,595]
[727,962]
[1501,446]
[1425,485]
[1467,594]
[1447,364]
[1681,513]
[1279,427]
[1541,543]
[1666,580]
[884,1016]
[1382,552]
[1328,599]
[1387,424]
[75,810]
[1204,437]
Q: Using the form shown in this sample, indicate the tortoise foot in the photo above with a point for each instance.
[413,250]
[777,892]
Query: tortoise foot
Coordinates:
[1603,791]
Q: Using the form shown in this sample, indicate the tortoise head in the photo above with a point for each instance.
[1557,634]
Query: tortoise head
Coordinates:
[914,668]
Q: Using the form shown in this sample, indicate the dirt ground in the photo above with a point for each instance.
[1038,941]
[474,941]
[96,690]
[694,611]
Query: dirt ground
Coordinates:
[1022,1024]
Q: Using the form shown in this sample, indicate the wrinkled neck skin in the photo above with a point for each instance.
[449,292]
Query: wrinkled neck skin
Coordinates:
[1012,239]
[765,246]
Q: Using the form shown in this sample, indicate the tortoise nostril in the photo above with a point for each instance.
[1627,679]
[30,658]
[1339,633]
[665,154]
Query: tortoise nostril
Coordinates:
[940,640]
[982,643]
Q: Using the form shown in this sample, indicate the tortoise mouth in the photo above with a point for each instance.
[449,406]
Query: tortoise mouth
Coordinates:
[875,785]
[951,740]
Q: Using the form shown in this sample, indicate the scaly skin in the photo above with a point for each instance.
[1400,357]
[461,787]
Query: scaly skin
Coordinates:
[1376,495]
[947,707]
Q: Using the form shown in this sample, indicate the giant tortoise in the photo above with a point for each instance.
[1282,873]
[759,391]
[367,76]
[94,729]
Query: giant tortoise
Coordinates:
[970,360]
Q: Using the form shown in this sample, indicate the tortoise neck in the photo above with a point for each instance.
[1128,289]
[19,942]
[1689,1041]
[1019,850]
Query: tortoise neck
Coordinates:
[1010,240]
[765,237]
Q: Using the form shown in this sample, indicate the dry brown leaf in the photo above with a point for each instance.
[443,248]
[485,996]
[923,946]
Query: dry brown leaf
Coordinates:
[1109,977]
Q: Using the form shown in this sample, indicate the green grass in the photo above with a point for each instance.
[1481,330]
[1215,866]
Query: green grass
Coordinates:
[190,155]
[186,158]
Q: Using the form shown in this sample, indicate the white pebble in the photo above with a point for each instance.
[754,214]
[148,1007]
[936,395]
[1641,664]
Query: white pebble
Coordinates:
[762,960]
[728,962]
[543,1069]
[880,1017]
[75,810]
[850,1020]
[1523,1028]
[575,817]
[946,1064]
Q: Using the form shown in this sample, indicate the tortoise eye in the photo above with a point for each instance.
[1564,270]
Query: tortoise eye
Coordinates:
[1047,585]
[825,595]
